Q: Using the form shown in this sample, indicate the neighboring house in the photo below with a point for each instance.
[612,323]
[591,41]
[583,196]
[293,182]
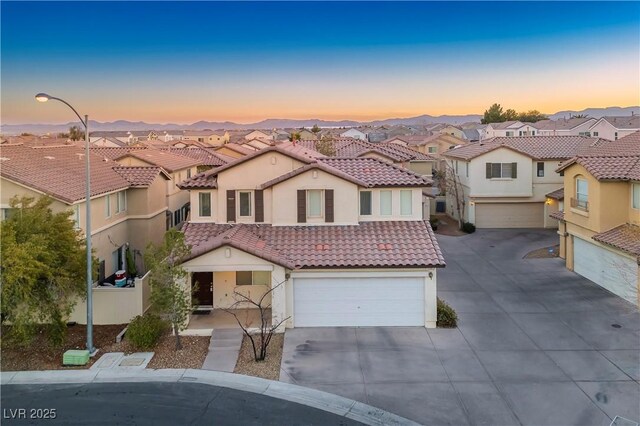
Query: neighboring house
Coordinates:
[354,133]
[179,168]
[452,130]
[128,211]
[341,240]
[433,145]
[307,135]
[235,150]
[600,225]
[123,136]
[258,143]
[471,135]
[565,127]
[107,141]
[258,134]
[209,137]
[506,180]
[206,157]
[509,129]
[614,128]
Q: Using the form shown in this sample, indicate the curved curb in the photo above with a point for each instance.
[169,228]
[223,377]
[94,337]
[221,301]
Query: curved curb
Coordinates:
[300,395]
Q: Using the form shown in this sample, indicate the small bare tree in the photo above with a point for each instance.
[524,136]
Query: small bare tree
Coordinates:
[450,182]
[260,340]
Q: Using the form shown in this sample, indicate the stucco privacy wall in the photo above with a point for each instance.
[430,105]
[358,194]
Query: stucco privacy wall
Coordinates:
[227,259]
[115,305]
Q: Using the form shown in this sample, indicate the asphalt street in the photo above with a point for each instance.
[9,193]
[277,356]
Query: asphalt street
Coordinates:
[152,403]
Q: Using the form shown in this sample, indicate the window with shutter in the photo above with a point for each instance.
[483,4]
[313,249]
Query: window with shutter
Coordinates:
[328,205]
[231,206]
[259,202]
[302,206]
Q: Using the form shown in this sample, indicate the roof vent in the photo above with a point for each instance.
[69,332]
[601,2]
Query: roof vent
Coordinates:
[48,157]
[384,246]
[4,158]
[322,247]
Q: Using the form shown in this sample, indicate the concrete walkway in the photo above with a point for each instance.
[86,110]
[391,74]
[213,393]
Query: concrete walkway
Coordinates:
[224,349]
[330,403]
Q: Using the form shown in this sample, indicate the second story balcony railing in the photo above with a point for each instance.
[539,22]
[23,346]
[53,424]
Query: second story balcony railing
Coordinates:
[580,204]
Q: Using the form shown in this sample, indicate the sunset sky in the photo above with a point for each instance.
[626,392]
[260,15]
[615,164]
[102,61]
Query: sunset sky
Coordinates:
[244,62]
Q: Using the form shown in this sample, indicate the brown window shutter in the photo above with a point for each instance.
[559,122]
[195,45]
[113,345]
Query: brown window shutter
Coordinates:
[231,206]
[488,170]
[328,205]
[259,202]
[514,170]
[302,206]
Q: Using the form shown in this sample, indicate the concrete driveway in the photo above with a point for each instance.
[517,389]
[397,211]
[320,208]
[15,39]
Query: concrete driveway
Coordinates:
[536,344]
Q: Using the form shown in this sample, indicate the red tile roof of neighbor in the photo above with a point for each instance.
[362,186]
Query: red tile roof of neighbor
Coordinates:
[112,153]
[205,156]
[59,171]
[613,160]
[537,147]
[624,237]
[409,244]
[139,177]
[168,161]
[559,215]
[558,194]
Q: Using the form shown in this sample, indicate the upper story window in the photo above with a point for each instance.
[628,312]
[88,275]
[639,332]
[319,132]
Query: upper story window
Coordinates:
[501,170]
[188,173]
[635,196]
[107,206]
[314,203]
[466,165]
[244,204]
[386,203]
[595,133]
[616,136]
[582,194]
[121,202]
[204,202]
[365,203]
[433,149]
[509,133]
[406,208]
[540,169]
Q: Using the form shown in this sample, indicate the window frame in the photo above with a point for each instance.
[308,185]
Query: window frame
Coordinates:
[502,171]
[635,196]
[582,204]
[382,211]
[121,205]
[402,210]
[253,279]
[200,204]
[540,169]
[107,206]
[308,193]
[249,196]
[361,205]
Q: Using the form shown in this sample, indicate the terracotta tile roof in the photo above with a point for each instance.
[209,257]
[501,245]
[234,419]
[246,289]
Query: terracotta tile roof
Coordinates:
[204,156]
[376,173]
[313,166]
[559,215]
[239,148]
[115,152]
[367,245]
[536,147]
[558,194]
[204,180]
[562,124]
[140,176]
[608,168]
[168,161]
[351,147]
[624,122]
[624,237]
[301,149]
[419,140]
[58,171]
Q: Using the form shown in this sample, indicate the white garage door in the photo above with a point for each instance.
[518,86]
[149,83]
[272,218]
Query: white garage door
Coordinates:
[616,273]
[344,302]
[510,215]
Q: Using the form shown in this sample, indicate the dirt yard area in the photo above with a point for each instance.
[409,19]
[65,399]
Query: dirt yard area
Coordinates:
[448,226]
[544,253]
[267,369]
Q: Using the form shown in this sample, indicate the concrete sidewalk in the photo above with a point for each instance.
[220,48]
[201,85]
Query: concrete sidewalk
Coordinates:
[337,405]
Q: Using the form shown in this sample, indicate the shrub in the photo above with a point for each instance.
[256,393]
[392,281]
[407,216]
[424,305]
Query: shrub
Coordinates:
[447,316]
[144,331]
[434,221]
[468,227]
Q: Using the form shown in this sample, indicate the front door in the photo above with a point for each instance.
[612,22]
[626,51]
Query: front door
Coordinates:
[202,283]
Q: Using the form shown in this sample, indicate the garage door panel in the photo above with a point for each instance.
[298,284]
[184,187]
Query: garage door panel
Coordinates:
[509,215]
[615,272]
[326,302]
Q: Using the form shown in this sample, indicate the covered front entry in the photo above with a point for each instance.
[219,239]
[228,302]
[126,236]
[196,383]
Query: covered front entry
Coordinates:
[359,301]
[509,215]
[615,272]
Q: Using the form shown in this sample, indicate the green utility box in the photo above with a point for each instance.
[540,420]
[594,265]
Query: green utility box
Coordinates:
[75,357]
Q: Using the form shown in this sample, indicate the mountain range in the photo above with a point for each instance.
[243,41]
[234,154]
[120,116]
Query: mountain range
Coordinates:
[272,123]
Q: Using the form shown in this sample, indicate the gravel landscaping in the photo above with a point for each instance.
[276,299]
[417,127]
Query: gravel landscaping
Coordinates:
[267,369]
[544,253]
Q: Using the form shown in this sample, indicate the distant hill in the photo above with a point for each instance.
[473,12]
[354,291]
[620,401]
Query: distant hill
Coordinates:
[271,123]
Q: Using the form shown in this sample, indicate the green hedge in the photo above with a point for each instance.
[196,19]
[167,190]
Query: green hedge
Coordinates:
[447,316]
[468,227]
[144,331]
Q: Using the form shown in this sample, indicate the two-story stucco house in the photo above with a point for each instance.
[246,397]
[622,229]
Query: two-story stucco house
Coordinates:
[208,137]
[614,128]
[510,129]
[506,180]
[354,133]
[565,127]
[340,240]
[600,224]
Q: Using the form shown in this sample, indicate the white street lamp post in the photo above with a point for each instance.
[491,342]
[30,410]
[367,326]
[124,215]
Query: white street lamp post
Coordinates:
[43,97]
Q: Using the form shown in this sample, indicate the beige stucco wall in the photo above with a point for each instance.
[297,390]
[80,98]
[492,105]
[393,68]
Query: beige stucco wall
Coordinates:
[423,168]
[505,187]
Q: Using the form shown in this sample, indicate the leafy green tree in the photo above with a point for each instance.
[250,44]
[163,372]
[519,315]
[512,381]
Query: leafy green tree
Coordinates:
[295,136]
[43,269]
[315,129]
[75,133]
[493,115]
[326,146]
[531,116]
[170,297]
[510,115]
[580,116]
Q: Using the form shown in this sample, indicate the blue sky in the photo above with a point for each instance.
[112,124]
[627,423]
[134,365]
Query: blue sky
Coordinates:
[183,62]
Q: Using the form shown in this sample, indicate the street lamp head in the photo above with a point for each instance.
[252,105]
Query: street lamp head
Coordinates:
[42,97]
